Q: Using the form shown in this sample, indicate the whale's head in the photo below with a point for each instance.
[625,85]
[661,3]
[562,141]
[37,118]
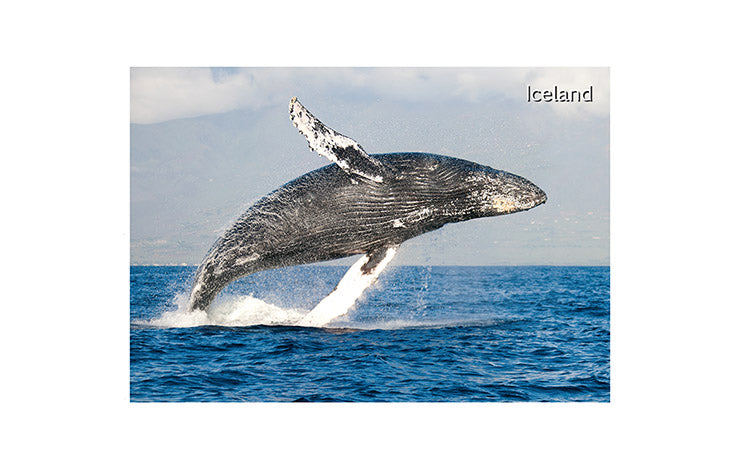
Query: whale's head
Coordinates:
[478,191]
[494,192]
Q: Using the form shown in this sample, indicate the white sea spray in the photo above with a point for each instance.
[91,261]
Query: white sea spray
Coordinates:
[246,310]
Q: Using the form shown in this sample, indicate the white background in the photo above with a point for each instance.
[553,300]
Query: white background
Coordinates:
[65,104]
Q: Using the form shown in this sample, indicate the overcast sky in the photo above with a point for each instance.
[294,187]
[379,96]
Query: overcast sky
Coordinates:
[205,143]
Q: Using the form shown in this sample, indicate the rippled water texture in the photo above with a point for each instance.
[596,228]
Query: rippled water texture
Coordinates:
[421,334]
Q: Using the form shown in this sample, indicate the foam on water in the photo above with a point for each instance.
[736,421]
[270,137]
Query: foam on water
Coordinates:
[246,310]
[226,311]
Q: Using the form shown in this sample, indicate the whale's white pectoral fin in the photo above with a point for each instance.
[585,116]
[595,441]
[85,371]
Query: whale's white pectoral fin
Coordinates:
[358,278]
[377,260]
[327,142]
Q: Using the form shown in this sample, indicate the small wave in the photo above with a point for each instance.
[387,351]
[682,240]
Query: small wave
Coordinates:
[401,324]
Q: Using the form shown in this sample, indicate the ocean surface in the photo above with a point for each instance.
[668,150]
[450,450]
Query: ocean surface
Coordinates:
[420,334]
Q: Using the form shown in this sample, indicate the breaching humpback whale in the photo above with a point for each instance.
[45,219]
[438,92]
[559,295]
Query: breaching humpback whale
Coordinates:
[361,204]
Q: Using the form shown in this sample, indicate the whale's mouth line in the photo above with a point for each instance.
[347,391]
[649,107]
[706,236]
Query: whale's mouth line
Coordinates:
[512,206]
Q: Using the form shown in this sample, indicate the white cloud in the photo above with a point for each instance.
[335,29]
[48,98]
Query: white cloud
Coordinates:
[160,94]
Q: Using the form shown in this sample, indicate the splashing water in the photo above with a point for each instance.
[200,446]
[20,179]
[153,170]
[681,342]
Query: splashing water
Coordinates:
[246,310]
[226,311]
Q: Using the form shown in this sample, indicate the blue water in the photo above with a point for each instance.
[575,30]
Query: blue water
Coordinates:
[421,334]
